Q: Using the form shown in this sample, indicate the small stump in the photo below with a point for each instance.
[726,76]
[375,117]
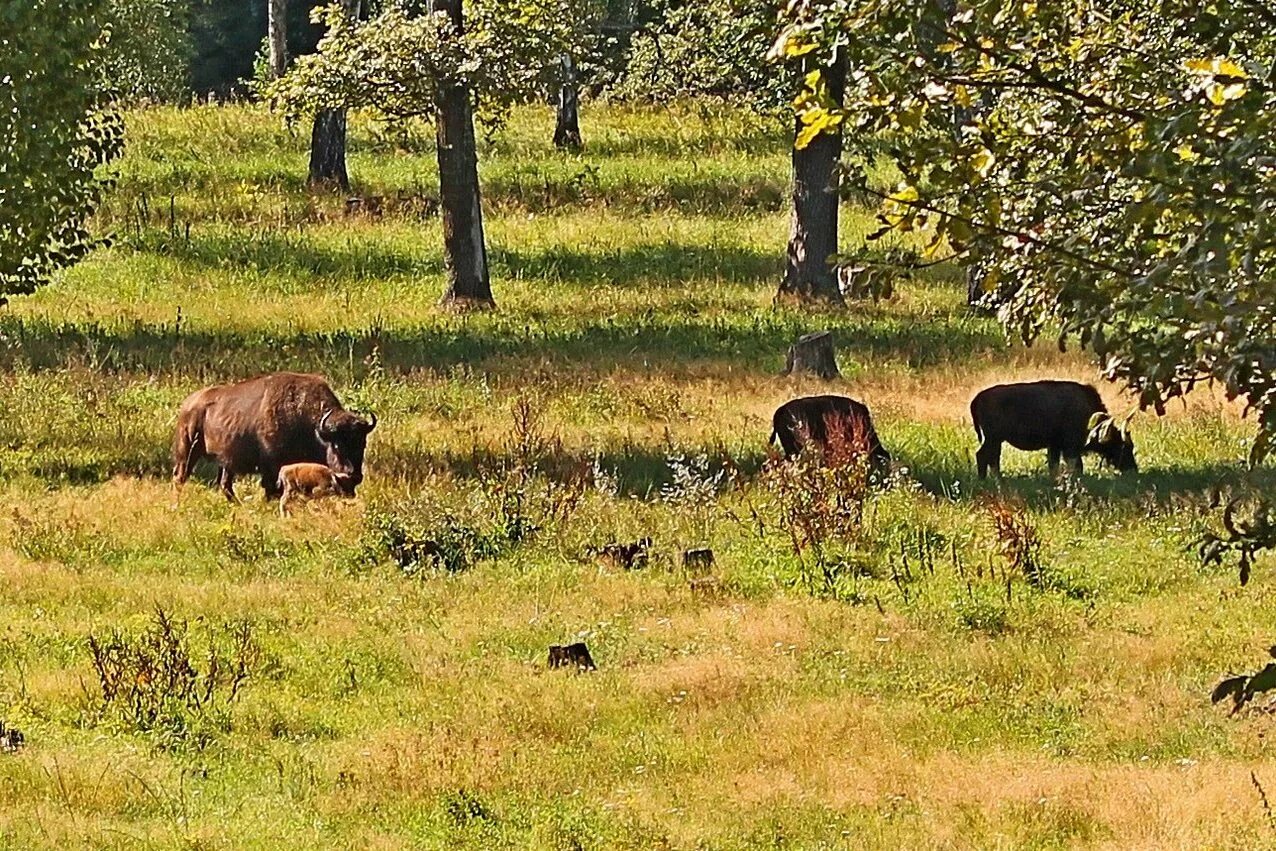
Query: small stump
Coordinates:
[813,353]
[706,586]
[571,656]
[11,739]
[630,556]
[699,560]
[364,205]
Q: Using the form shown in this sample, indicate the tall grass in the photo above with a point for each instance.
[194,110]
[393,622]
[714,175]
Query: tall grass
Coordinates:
[918,685]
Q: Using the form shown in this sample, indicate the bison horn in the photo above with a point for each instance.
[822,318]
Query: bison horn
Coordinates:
[323,421]
[1097,420]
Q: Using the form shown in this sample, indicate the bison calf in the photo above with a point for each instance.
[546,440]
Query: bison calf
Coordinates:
[825,420]
[310,481]
[1062,417]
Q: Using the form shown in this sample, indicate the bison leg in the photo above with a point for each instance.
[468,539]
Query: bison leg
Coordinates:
[1052,461]
[226,482]
[270,482]
[1075,462]
[988,456]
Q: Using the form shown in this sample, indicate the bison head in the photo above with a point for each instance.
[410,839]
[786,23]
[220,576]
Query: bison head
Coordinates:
[1112,442]
[344,436]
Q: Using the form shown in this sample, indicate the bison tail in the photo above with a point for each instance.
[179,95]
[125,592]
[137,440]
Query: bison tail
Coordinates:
[974,418]
[187,450]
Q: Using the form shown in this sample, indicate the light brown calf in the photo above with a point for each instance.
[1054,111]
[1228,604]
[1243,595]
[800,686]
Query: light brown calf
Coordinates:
[309,481]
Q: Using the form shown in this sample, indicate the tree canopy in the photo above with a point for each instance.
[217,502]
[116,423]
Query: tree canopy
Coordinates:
[148,56]
[55,131]
[1110,168]
[394,62]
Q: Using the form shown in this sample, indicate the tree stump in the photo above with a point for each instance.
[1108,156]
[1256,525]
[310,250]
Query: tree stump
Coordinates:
[11,739]
[571,656]
[625,556]
[813,353]
[698,560]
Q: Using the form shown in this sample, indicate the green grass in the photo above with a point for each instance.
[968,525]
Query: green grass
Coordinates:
[924,694]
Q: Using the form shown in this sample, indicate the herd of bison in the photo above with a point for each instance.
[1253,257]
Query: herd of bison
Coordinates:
[292,431]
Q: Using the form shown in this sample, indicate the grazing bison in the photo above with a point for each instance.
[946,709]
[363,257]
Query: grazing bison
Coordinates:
[306,480]
[264,423]
[810,419]
[1062,417]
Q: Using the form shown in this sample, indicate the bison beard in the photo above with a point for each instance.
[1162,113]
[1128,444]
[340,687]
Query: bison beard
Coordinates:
[264,423]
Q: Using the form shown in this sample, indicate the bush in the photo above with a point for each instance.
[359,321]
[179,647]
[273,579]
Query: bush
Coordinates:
[153,684]
[818,501]
[418,534]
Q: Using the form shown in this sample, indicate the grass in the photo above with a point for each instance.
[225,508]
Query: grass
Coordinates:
[912,687]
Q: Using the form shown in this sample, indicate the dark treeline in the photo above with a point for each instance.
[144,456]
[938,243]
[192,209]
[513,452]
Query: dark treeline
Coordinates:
[227,35]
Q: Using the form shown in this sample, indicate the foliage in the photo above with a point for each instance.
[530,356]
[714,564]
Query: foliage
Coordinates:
[147,58]
[1107,166]
[705,50]
[1249,524]
[153,683]
[1018,542]
[818,501]
[395,62]
[420,533]
[55,131]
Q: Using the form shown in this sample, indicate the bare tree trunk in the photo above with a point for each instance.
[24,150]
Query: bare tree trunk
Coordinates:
[328,137]
[277,32]
[465,253]
[567,125]
[328,150]
[808,275]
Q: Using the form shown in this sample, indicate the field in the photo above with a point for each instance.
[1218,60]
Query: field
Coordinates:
[911,679]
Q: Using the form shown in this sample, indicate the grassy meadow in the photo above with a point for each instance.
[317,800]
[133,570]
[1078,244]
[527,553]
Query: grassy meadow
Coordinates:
[902,676]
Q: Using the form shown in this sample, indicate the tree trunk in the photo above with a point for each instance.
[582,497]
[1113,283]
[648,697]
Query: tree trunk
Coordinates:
[465,254]
[277,32]
[328,137]
[567,125]
[328,150]
[808,274]
[813,353]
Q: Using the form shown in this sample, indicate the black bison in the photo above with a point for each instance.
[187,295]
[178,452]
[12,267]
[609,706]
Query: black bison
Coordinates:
[809,419]
[264,423]
[307,480]
[1062,417]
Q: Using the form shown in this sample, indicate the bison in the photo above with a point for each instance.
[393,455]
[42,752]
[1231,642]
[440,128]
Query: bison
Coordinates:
[810,419]
[264,423]
[307,480]
[1062,417]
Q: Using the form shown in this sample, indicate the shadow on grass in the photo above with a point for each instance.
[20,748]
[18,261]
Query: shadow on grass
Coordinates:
[757,341]
[289,253]
[637,471]
[657,265]
[1153,487]
[318,260]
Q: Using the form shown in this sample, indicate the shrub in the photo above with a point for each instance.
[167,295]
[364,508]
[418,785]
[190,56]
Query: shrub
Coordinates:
[818,501]
[1017,539]
[153,683]
[417,534]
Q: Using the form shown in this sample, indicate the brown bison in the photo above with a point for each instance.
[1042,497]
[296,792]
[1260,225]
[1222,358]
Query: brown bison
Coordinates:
[306,480]
[264,423]
[810,420]
[1062,417]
